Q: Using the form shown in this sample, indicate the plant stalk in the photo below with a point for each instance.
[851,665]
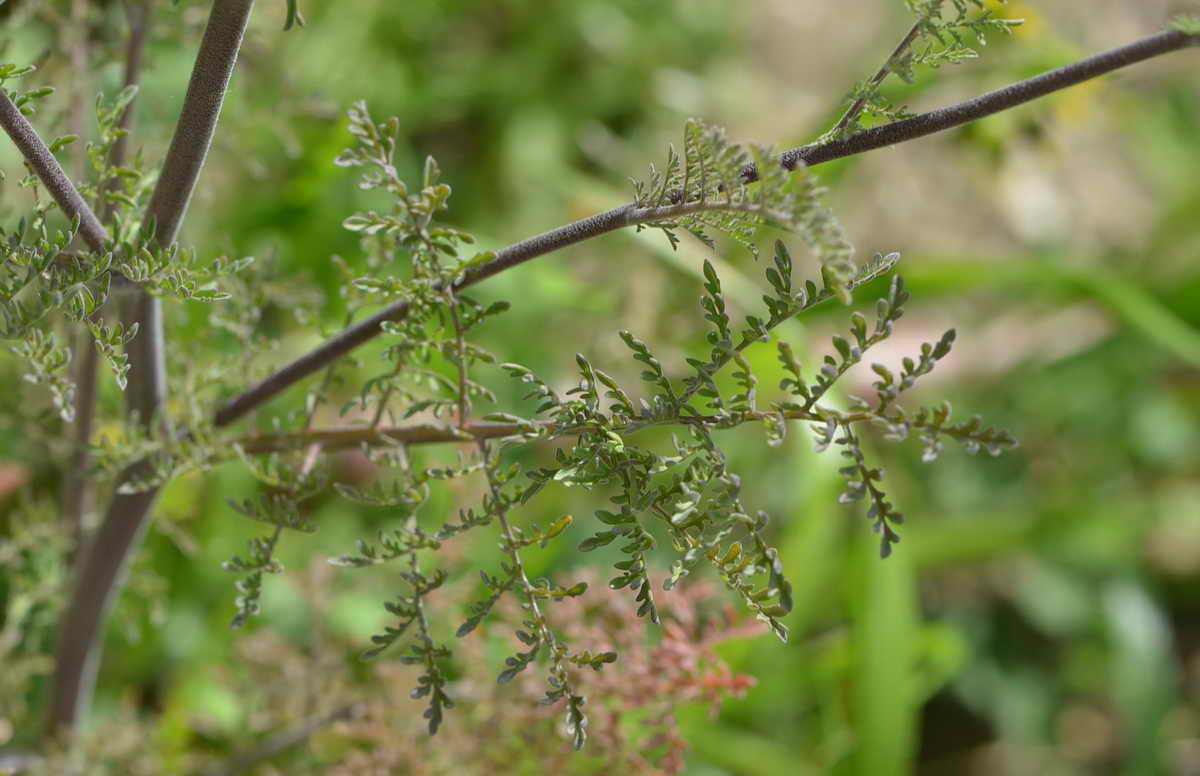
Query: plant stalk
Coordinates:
[79,639]
[992,102]
[630,215]
[37,155]
[77,490]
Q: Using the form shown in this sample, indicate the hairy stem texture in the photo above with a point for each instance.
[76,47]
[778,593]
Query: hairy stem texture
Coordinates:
[51,173]
[356,335]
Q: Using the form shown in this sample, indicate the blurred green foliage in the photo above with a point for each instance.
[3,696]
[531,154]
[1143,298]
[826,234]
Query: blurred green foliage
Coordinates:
[1042,614]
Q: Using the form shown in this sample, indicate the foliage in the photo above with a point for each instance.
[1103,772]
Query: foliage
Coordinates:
[657,462]
[686,493]
[937,38]
[40,277]
[32,583]
[1186,23]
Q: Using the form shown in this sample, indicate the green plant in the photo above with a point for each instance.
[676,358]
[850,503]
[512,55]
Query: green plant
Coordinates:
[606,436]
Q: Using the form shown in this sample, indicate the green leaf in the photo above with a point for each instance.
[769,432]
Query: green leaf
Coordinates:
[60,143]
[598,540]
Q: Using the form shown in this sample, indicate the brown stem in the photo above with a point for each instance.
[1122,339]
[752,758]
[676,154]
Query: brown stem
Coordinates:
[460,347]
[992,102]
[77,491]
[198,117]
[78,647]
[77,496]
[50,173]
[342,437]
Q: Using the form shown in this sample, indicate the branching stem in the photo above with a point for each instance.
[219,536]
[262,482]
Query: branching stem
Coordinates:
[344,437]
[546,636]
[992,102]
[630,215]
[856,108]
[50,173]
[138,13]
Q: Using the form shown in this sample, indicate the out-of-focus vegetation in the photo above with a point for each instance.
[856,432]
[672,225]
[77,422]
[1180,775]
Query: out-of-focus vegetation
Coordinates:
[1042,614]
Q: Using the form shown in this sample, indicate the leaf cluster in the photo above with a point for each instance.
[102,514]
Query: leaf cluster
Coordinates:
[939,36]
[708,188]
[681,500]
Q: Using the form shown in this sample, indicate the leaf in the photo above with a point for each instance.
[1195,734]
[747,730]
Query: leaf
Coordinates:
[596,541]
[60,143]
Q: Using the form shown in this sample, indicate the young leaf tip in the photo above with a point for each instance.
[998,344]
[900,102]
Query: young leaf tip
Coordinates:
[1188,24]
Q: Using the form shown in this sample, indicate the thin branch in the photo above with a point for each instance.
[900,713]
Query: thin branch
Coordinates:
[852,113]
[198,117]
[284,740]
[368,329]
[50,173]
[78,645]
[77,497]
[343,437]
[460,347]
[76,494]
[992,102]
[629,215]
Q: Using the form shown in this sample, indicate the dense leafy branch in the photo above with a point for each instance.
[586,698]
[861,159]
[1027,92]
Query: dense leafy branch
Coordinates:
[869,90]
[686,494]
[631,215]
[943,39]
